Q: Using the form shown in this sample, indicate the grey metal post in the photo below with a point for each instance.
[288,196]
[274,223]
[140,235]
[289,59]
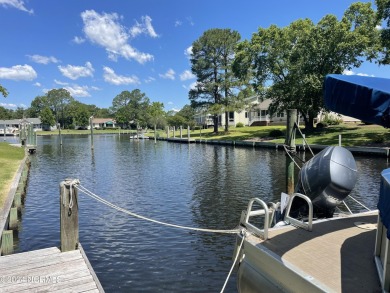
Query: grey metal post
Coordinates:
[188,132]
[174,133]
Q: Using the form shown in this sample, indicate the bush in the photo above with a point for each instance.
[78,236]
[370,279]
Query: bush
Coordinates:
[276,133]
[240,124]
[332,120]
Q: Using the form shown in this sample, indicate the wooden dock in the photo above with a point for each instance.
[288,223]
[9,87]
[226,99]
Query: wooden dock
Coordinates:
[48,270]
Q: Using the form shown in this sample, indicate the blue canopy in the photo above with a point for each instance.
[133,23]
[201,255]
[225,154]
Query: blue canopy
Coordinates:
[362,97]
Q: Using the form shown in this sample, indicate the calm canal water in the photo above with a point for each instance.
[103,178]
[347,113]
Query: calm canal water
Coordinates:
[193,185]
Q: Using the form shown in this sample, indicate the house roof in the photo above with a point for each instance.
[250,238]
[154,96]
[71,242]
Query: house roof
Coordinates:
[18,121]
[103,120]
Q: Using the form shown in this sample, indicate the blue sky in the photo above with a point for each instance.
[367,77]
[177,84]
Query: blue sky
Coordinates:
[97,49]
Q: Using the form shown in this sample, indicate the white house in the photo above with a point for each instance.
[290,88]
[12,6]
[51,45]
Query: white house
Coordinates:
[15,123]
[103,123]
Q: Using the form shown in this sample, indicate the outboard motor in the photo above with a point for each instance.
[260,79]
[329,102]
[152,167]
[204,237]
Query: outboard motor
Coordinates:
[326,179]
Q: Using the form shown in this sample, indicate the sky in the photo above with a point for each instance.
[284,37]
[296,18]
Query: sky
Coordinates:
[97,49]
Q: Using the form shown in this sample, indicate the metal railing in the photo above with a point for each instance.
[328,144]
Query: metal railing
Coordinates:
[305,225]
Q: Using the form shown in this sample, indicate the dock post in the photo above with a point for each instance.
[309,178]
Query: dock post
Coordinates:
[174,133]
[7,242]
[91,126]
[13,218]
[69,215]
[188,132]
[290,142]
[181,131]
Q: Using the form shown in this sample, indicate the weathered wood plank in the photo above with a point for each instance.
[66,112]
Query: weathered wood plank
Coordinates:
[48,270]
[24,255]
[99,286]
[9,263]
[79,288]
[45,261]
[60,279]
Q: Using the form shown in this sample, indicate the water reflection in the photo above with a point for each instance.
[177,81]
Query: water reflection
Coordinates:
[193,185]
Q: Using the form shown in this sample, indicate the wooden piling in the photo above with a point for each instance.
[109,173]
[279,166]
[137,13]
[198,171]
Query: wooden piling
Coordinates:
[7,242]
[290,142]
[69,216]
[17,199]
[13,218]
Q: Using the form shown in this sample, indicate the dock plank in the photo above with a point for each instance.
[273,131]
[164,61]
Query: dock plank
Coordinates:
[48,270]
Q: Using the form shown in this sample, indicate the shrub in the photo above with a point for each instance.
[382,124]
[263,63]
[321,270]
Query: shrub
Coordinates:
[276,133]
[240,124]
[332,120]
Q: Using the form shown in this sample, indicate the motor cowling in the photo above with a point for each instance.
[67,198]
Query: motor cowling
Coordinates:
[327,179]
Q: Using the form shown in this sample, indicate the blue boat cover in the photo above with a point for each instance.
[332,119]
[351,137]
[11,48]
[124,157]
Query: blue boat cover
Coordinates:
[384,200]
[362,97]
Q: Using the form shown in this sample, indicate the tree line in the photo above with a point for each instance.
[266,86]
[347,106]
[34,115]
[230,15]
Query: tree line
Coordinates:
[285,64]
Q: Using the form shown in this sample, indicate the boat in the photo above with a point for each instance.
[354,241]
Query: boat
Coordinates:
[139,136]
[303,243]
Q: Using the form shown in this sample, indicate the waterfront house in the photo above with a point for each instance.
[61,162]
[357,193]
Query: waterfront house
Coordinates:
[99,123]
[15,123]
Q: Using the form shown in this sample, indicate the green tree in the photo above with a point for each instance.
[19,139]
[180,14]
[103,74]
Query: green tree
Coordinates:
[188,113]
[47,117]
[156,116]
[58,100]
[383,14]
[37,105]
[3,91]
[131,107]
[5,114]
[295,59]
[212,57]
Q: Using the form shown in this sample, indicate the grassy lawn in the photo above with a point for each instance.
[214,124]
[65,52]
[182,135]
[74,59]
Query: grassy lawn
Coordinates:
[351,134]
[10,159]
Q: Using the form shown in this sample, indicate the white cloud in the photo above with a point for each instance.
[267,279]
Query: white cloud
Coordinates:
[350,72]
[188,52]
[178,23]
[8,105]
[78,40]
[60,82]
[111,77]
[43,59]
[106,31]
[149,79]
[18,4]
[144,27]
[170,74]
[75,72]
[18,72]
[186,75]
[37,84]
[78,90]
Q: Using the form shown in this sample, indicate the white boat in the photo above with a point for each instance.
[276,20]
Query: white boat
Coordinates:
[139,136]
[300,244]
